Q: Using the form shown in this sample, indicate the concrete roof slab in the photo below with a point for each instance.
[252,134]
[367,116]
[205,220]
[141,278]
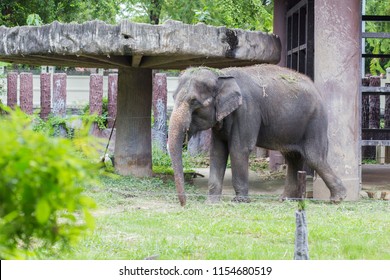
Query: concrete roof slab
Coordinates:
[172,45]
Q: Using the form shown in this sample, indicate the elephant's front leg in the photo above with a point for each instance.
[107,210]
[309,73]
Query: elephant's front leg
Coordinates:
[218,158]
[240,163]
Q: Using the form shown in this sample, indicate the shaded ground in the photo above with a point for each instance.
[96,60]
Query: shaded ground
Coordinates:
[374,178]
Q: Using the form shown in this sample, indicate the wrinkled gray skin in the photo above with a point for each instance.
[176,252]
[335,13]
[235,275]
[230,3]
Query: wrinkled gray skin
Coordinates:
[266,106]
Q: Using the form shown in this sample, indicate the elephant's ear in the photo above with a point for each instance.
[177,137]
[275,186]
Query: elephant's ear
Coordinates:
[228,98]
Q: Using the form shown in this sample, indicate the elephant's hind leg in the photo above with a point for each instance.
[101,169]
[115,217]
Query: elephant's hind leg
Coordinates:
[317,159]
[337,190]
[294,164]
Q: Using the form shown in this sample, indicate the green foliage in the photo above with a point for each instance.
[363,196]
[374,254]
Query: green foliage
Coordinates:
[162,163]
[376,66]
[13,13]
[42,181]
[251,14]
[53,126]
[34,20]
[101,120]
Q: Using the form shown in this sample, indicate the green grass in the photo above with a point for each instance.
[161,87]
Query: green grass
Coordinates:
[140,218]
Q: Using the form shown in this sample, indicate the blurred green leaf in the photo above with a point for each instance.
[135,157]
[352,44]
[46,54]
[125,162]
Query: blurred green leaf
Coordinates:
[42,211]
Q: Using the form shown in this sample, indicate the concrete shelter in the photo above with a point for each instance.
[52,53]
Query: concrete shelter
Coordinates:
[135,49]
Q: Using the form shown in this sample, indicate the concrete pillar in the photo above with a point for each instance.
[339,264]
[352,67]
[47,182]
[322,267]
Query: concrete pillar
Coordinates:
[95,99]
[95,94]
[112,96]
[160,127]
[337,76]
[45,95]
[279,27]
[133,149]
[12,89]
[26,93]
[59,94]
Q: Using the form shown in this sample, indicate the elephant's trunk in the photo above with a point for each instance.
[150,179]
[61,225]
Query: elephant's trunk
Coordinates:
[178,125]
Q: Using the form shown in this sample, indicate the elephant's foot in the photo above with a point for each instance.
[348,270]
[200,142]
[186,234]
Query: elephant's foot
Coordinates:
[213,199]
[338,195]
[241,199]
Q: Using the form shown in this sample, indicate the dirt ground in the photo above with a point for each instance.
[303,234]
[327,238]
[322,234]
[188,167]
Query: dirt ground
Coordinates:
[375,177]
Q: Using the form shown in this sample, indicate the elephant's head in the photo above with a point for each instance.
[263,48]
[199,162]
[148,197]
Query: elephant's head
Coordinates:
[203,98]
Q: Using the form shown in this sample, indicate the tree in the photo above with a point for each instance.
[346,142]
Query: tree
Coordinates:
[250,14]
[13,13]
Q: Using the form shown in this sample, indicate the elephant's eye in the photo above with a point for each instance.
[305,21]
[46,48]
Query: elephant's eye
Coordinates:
[195,102]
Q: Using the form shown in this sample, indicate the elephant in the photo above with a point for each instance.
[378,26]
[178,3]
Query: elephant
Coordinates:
[263,105]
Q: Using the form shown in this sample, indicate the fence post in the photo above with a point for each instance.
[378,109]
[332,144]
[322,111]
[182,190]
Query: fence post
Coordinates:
[301,233]
[59,94]
[12,89]
[26,93]
[45,95]
[111,95]
[160,134]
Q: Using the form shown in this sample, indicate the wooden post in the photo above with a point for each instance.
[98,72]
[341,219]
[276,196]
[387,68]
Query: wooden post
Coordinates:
[12,89]
[45,95]
[301,233]
[26,93]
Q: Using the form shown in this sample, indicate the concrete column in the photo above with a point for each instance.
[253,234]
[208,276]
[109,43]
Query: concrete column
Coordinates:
[95,99]
[337,76]
[45,95]
[160,128]
[26,93]
[112,96]
[133,149]
[279,27]
[95,94]
[59,94]
[12,89]
[280,10]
